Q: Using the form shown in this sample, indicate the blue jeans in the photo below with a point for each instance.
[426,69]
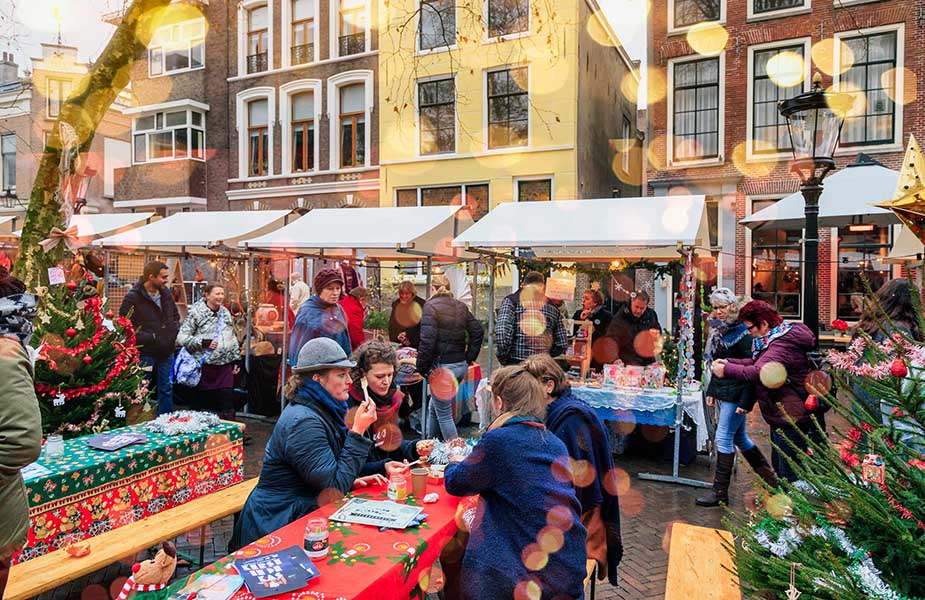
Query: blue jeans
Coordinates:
[161,379]
[440,409]
[730,431]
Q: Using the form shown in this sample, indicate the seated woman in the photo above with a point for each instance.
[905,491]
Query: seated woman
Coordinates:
[311,450]
[374,379]
[521,499]
[576,424]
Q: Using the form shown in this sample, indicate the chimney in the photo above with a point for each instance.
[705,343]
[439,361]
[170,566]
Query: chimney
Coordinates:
[9,70]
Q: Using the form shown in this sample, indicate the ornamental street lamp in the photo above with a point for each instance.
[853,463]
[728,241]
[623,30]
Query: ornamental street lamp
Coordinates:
[814,119]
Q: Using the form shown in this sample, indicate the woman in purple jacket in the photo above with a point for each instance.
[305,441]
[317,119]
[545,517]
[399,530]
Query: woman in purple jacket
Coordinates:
[781,396]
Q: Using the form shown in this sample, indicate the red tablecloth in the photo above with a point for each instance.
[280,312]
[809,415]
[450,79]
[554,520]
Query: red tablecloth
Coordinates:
[363,562]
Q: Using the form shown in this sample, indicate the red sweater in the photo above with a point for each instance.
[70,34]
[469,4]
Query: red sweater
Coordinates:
[355,317]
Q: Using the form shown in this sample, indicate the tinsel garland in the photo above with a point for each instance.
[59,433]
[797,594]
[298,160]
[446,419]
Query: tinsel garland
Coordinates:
[125,358]
[182,422]
[853,359]
[596,274]
[443,450]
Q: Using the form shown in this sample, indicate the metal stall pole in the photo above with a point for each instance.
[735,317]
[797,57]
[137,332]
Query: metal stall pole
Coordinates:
[249,312]
[425,389]
[283,363]
[491,318]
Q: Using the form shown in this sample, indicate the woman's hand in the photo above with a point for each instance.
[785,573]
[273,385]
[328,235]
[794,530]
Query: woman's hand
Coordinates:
[741,411]
[364,417]
[718,368]
[711,401]
[376,479]
[393,467]
[424,448]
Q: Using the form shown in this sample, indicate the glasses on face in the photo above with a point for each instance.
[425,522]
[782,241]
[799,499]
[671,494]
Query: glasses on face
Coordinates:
[751,327]
[720,306]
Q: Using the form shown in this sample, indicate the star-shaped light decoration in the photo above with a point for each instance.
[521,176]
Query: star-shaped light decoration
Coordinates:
[908,203]
[792,592]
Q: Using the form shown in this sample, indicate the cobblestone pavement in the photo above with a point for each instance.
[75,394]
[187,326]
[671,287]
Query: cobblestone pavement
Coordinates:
[648,509]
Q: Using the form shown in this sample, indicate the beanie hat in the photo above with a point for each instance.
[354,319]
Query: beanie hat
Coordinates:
[326,277]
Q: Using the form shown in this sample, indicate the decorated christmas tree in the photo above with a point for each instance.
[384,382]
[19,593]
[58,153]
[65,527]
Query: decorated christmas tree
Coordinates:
[88,377]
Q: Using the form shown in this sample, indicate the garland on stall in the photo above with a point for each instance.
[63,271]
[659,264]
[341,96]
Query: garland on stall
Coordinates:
[866,358]
[686,324]
[183,422]
[596,273]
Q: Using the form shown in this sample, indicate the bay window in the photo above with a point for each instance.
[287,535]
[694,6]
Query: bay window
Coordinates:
[168,135]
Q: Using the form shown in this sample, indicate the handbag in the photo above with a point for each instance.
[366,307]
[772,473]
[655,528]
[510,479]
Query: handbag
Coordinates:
[187,371]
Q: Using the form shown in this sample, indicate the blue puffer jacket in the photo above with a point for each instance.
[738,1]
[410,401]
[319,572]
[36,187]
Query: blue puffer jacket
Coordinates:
[318,319]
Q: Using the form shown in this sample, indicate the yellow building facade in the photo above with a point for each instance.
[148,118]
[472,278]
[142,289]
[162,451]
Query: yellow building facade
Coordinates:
[491,101]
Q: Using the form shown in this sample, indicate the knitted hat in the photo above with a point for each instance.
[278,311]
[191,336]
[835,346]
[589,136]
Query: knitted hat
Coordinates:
[322,353]
[326,277]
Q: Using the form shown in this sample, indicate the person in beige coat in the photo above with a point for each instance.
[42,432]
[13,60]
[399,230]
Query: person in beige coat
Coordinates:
[20,419]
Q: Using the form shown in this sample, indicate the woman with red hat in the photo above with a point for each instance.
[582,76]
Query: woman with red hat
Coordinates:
[321,315]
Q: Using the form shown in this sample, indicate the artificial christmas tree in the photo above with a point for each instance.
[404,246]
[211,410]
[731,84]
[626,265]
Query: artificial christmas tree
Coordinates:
[88,377]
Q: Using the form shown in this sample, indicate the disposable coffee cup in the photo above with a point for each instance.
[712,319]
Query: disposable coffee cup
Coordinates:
[419,482]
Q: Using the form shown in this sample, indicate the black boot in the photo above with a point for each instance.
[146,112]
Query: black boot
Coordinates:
[760,465]
[720,493]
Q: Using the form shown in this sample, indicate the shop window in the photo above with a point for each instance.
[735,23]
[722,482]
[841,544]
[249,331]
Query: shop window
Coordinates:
[169,135]
[776,265]
[860,255]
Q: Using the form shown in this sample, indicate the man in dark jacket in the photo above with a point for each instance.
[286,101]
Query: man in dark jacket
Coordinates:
[528,324]
[634,328]
[157,322]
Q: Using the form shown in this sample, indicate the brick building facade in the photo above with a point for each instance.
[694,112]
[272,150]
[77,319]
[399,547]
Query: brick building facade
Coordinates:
[714,128]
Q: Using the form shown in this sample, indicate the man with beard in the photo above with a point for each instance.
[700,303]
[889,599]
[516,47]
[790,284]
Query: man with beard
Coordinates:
[156,319]
[635,328]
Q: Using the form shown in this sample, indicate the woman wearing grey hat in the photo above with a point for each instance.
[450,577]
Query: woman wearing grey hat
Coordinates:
[314,454]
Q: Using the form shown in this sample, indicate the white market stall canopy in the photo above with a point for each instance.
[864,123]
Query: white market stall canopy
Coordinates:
[7,225]
[369,233]
[602,229]
[197,232]
[906,248]
[848,196]
[91,227]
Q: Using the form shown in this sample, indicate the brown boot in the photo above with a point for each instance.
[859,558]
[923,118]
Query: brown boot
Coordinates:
[720,492]
[760,465]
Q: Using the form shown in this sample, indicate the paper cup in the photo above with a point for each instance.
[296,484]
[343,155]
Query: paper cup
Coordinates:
[419,482]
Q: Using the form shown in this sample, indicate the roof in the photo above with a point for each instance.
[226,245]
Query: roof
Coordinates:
[369,232]
[198,232]
[847,197]
[606,228]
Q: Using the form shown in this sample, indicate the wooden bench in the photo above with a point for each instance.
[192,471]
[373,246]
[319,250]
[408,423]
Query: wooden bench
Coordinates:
[697,563]
[56,568]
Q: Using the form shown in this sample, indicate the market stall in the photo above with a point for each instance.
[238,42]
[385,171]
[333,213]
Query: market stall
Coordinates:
[661,228]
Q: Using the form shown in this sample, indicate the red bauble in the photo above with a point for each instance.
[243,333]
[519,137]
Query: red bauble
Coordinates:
[87,359]
[811,402]
[70,332]
[72,285]
[898,368]
[109,314]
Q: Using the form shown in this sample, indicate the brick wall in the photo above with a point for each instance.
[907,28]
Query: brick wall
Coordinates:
[171,179]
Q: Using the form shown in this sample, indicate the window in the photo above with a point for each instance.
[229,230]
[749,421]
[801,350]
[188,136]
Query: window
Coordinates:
[508,108]
[303,32]
[177,48]
[696,110]
[534,190]
[8,163]
[437,108]
[352,126]
[507,17]
[258,22]
[776,255]
[690,12]
[628,143]
[303,132]
[169,135]
[258,147]
[873,75]
[769,6]
[859,255]
[352,27]
[438,24]
[58,92]
[474,195]
[769,129]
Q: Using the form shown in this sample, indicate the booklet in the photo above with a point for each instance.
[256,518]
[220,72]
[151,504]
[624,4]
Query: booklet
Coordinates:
[34,471]
[277,573]
[217,586]
[111,442]
[380,513]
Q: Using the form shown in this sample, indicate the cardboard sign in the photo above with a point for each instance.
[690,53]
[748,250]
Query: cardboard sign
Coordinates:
[56,276]
[560,289]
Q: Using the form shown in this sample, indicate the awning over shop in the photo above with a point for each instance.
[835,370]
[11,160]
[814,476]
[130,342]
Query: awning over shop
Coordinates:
[907,248]
[91,227]
[848,196]
[197,232]
[594,230]
[381,233]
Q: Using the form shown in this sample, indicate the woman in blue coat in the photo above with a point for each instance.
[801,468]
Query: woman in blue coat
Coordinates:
[526,539]
[312,450]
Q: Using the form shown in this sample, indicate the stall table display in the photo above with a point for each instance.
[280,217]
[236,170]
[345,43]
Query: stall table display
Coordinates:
[363,562]
[88,491]
[645,406]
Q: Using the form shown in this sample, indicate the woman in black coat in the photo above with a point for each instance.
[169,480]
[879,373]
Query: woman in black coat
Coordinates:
[592,309]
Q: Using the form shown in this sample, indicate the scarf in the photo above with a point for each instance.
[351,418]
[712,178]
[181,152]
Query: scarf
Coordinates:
[313,393]
[760,343]
[722,335]
[16,315]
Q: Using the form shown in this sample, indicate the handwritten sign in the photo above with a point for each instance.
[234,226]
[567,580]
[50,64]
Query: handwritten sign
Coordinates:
[380,513]
[560,289]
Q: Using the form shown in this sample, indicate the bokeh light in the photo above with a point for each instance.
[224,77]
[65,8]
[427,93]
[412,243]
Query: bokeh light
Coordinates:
[550,539]
[818,382]
[858,96]
[654,433]
[823,53]
[656,152]
[534,558]
[631,503]
[617,482]
[707,38]
[752,168]
[94,591]
[904,94]
[443,384]
[786,69]
[583,473]
[629,87]
[780,506]
[773,375]
[532,323]
[645,343]
[559,517]
[528,590]
[656,85]
[598,33]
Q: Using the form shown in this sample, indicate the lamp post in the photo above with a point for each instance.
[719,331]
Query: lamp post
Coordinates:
[814,119]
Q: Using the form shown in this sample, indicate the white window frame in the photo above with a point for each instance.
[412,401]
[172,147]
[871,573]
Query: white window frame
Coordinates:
[721,134]
[286,55]
[685,28]
[550,177]
[241,101]
[189,49]
[286,92]
[627,125]
[243,7]
[750,155]
[165,128]
[334,29]
[417,114]
[335,82]
[781,12]
[897,144]
[485,140]
[417,33]
[486,39]
[61,100]
[15,157]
